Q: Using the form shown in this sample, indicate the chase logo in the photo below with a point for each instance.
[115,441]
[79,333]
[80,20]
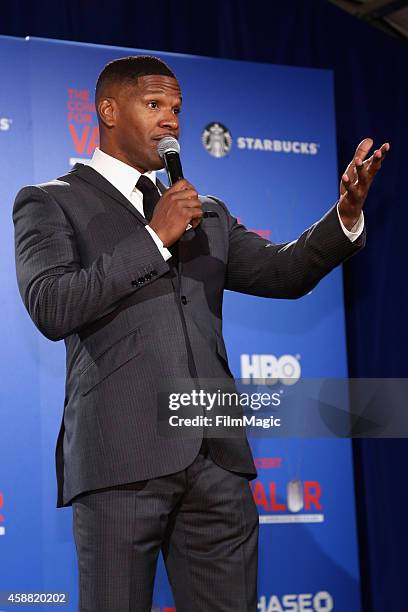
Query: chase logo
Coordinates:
[299,602]
[269,369]
[216,139]
[5,124]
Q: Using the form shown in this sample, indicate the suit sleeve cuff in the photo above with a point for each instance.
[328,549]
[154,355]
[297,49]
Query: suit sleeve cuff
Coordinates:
[356,230]
[165,253]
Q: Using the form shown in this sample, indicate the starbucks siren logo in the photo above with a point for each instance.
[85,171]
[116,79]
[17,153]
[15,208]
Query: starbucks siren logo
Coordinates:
[216,139]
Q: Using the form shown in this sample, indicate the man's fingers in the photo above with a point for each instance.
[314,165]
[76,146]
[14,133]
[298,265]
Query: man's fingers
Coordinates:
[356,170]
[188,202]
[380,154]
[362,172]
[196,213]
[180,186]
[360,154]
[191,208]
[351,170]
[363,148]
[375,162]
[184,194]
[349,186]
[352,195]
[350,175]
[377,158]
[367,170]
[356,180]
[346,181]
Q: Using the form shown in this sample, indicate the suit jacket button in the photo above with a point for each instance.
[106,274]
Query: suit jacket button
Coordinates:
[184,300]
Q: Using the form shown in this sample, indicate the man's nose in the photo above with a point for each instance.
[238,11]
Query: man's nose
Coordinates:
[169,120]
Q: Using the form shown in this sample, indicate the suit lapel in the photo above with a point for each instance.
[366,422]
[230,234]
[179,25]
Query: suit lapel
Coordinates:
[88,174]
[91,176]
[161,186]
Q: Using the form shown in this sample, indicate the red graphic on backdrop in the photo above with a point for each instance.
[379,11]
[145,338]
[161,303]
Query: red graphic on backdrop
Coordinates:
[86,140]
[267,497]
[263,233]
[81,118]
[268,463]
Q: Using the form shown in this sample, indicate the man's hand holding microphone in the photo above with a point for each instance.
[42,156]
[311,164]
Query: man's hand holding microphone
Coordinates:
[179,206]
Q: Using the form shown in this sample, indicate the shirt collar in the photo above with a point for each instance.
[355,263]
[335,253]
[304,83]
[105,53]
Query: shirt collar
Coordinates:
[121,175]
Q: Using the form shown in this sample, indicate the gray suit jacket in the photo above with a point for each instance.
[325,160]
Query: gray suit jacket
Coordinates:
[89,273]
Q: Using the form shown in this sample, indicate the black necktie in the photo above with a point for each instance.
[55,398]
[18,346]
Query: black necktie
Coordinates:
[151,195]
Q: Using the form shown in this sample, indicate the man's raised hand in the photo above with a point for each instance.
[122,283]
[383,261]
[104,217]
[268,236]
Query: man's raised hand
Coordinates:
[356,181]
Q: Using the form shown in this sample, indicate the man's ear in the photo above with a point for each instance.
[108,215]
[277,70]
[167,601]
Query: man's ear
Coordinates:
[108,111]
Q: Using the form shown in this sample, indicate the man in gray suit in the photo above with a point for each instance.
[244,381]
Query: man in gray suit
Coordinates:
[104,262]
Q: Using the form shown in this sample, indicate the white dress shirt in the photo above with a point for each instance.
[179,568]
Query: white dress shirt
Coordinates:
[356,230]
[124,178]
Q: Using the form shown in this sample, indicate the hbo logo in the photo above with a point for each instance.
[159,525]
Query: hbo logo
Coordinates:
[268,369]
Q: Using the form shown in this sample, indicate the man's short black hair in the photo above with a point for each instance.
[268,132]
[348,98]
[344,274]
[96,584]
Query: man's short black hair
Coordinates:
[127,70]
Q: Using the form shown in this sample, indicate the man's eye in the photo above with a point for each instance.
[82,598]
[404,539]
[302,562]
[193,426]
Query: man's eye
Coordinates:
[152,104]
[177,111]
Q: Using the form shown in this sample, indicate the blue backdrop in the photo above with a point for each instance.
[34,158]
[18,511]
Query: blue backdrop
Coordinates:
[308,558]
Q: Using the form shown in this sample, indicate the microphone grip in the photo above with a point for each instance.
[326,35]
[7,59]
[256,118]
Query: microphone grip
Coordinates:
[173,167]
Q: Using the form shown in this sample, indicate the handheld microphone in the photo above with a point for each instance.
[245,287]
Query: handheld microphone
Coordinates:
[169,150]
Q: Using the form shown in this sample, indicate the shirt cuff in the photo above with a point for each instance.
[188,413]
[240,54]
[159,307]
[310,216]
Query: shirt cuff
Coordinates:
[165,253]
[356,230]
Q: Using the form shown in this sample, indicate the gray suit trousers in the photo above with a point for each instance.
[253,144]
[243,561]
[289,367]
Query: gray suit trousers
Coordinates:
[204,520]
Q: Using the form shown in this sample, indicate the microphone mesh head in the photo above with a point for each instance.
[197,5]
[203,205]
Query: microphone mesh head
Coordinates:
[168,144]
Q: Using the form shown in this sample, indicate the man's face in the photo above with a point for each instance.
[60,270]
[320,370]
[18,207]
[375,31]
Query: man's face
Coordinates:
[139,116]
